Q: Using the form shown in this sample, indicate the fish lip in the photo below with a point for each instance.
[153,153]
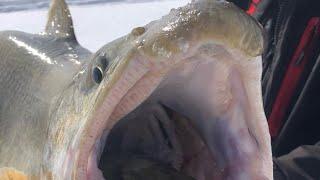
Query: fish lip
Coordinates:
[139,68]
[92,132]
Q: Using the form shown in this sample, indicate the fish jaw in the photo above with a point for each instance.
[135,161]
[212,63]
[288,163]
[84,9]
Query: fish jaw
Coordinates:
[221,99]
[237,136]
[140,60]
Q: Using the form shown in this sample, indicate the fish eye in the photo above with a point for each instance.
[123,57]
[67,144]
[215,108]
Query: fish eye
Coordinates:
[99,69]
[97,75]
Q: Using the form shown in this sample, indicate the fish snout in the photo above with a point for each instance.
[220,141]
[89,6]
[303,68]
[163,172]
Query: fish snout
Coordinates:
[180,34]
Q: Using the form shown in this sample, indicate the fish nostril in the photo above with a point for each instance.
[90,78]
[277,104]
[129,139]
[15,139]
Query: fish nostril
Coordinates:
[97,75]
[138,31]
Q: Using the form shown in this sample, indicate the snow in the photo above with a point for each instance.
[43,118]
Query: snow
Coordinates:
[95,25]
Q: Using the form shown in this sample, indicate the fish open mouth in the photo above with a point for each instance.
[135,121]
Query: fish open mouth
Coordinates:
[205,121]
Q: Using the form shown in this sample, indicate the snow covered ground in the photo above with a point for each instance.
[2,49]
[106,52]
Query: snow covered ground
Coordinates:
[95,25]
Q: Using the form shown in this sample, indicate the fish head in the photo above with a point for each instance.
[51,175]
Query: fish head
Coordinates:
[123,73]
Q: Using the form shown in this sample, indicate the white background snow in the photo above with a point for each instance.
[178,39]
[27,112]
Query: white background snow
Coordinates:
[95,25]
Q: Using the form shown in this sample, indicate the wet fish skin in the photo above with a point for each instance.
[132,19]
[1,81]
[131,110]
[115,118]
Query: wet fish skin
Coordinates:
[34,69]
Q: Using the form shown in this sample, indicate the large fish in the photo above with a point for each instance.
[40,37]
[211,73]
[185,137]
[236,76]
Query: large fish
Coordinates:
[59,102]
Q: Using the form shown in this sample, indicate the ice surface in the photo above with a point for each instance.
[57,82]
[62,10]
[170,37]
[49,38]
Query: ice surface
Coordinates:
[95,25]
